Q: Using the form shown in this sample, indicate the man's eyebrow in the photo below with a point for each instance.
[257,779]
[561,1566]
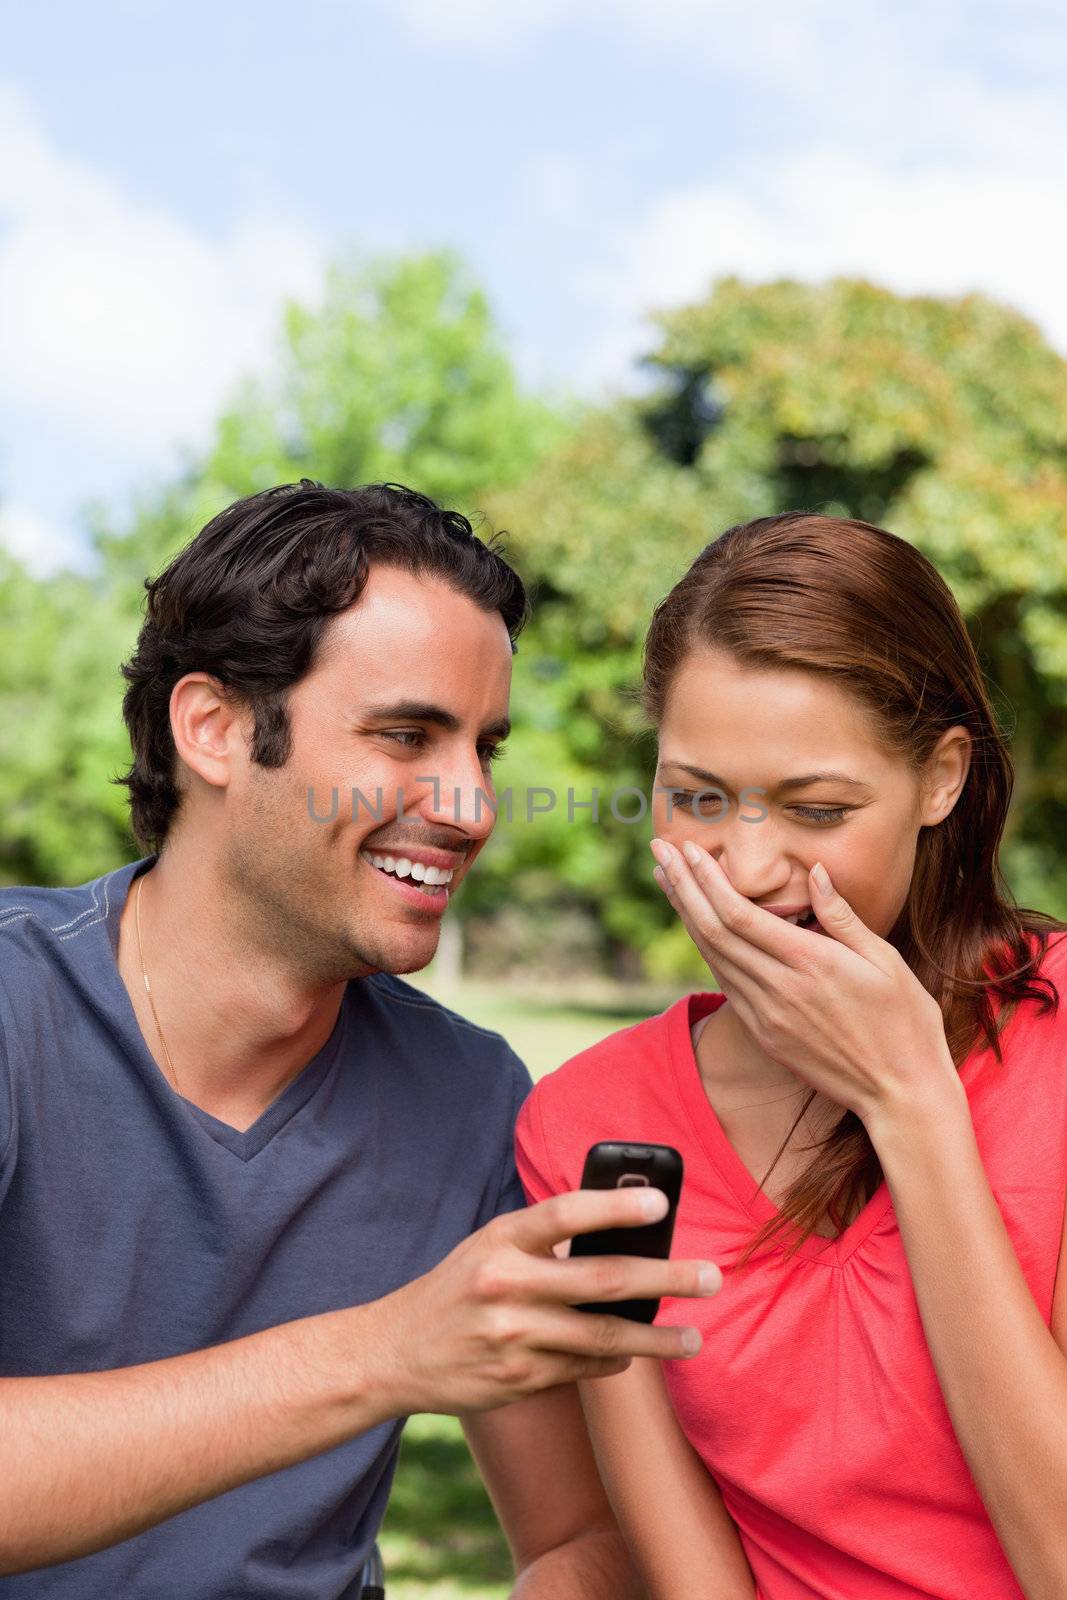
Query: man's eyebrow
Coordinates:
[713,782]
[426,711]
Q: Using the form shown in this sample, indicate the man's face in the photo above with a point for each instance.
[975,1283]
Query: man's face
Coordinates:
[411,686]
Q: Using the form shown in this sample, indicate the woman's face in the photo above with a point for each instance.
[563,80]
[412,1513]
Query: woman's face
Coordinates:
[737,730]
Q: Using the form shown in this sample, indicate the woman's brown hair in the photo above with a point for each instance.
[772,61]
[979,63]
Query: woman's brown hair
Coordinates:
[858,605]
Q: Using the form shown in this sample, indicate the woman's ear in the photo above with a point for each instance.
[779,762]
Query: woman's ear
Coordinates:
[945,774]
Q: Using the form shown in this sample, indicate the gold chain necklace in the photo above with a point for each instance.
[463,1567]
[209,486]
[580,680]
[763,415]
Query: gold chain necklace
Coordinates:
[148,988]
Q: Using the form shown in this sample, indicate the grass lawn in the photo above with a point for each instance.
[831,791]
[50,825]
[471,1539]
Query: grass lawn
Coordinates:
[440,1539]
[543,1028]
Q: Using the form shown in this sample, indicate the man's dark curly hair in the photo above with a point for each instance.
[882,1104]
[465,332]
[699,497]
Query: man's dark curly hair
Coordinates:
[248,601]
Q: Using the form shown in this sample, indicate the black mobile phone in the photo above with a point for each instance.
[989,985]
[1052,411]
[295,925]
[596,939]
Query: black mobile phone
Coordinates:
[612,1164]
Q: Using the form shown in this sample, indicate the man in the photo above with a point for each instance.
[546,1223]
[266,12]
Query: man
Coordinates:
[257,1196]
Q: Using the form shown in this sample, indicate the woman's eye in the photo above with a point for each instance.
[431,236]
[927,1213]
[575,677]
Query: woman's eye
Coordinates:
[684,798]
[492,753]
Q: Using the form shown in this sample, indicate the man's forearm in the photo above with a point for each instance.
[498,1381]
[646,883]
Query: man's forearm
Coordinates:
[89,1459]
[595,1566]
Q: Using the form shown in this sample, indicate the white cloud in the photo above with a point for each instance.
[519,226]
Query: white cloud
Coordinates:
[821,214]
[117,319]
[802,46]
[42,547]
[921,89]
[925,150]
[487,25]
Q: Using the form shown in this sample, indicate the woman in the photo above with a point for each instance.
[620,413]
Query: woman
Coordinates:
[872,1110]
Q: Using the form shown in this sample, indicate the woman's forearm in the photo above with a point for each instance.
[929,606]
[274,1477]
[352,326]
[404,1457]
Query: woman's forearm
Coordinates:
[595,1566]
[684,1542]
[1002,1375]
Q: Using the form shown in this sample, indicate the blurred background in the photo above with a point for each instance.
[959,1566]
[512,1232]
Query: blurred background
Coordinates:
[604,275]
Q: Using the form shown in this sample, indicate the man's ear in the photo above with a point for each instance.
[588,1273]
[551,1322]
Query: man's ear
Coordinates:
[208,727]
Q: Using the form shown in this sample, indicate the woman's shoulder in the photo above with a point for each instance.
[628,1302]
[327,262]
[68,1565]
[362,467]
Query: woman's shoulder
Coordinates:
[629,1053]
[630,1080]
[1049,980]
[1049,973]
[1054,955]
[623,1087]
[1049,945]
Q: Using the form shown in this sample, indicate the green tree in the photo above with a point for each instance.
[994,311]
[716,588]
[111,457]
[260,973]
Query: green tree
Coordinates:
[60,732]
[944,420]
[398,374]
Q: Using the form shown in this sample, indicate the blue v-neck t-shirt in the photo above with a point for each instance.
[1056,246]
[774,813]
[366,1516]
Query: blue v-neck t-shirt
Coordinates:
[135,1226]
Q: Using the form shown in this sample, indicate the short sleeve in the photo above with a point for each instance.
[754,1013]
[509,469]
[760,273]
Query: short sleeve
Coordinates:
[510,1195]
[8,1141]
[531,1152]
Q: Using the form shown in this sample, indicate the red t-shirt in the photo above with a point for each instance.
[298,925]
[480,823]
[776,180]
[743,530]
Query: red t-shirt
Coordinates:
[814,1402]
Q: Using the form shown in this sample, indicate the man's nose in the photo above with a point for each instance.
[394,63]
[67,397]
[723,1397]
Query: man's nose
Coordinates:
[460,794]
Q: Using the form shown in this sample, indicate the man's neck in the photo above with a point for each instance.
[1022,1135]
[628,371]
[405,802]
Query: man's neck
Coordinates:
[239,1022]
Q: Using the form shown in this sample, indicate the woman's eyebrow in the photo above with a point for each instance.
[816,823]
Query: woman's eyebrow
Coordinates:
[714,782]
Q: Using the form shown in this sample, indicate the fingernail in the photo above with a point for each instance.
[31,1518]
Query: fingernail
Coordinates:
[654,1204]
[661,851]
[710,1279]
[691,852]
[691,1341]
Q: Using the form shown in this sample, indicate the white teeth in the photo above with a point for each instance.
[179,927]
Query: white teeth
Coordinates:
[401,867]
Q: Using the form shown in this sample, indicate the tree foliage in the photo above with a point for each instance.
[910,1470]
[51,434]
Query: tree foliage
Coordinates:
[60,732]
[944,420]
[399,374]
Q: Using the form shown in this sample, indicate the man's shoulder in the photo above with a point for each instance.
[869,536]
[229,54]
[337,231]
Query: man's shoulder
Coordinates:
[32,915]
[393,991]
[45,964]
[414,1009]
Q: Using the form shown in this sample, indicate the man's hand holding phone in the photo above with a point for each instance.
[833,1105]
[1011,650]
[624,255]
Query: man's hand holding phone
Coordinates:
[497,1319]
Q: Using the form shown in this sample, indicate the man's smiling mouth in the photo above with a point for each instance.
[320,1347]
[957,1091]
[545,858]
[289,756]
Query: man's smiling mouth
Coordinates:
[429,881]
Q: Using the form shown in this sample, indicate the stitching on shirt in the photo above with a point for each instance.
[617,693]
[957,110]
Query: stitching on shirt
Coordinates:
[15,914]
[88,910]
[94,907]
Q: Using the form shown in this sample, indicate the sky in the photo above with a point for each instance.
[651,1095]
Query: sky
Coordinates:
[171,174]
